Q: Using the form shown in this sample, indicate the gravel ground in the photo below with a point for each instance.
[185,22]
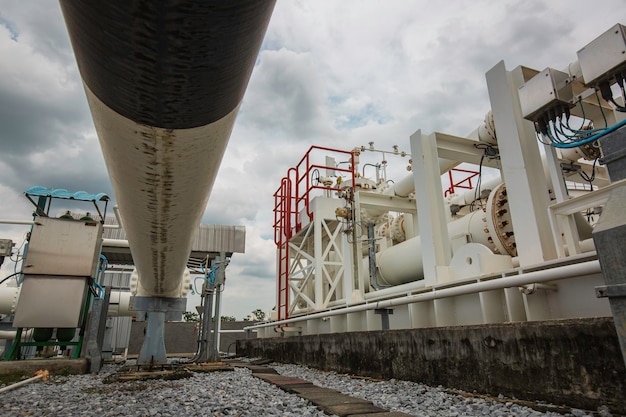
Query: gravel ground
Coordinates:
[237,393]
[417,399]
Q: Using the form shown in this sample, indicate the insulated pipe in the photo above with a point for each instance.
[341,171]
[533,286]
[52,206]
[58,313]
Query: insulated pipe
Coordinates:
[10,334]
[406,185]
[402,263]
[119,304]
[523,278]
[164,81]
[8,299]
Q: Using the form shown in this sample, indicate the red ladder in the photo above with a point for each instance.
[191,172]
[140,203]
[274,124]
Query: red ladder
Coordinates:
[283,213]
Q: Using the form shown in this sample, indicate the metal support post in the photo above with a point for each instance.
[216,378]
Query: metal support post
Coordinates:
[432,220]
[609,237]
[522,169]
[215,346]
[153,349]
[94,335]
[206,320]
[384,316]
[158,310]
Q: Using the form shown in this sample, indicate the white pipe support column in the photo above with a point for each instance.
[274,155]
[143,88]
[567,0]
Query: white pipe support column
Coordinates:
[430,206]
[560,192]
[527,186]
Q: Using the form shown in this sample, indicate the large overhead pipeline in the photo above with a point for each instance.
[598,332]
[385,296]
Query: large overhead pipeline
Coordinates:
[164,80]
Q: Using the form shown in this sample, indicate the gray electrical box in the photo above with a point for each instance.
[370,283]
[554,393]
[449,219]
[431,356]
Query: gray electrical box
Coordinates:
[547,90]
[6,247]
[50,301]
[63,247]
[603,56]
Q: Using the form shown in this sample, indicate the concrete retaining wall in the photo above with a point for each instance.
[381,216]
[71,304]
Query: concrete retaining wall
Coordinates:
[571,362]
[181,337]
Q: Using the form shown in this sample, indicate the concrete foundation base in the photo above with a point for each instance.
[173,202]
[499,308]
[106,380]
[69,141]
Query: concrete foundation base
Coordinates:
[54,366]
[566,362]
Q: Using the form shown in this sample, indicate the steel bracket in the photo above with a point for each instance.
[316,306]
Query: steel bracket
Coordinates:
[611,291]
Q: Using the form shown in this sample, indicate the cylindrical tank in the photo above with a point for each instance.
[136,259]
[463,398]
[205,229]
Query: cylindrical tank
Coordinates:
[164,82]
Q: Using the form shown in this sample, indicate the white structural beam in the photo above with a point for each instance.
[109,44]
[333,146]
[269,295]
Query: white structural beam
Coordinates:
[527,186]
[430,206]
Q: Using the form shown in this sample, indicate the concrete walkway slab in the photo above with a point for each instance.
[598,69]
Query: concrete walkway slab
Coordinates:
[385,414]
[345,410]
[327,396]
[327,400]
[285,383]
[261,369]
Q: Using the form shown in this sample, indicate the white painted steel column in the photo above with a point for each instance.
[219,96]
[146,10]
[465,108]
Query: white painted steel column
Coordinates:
[430,208]
[527,186]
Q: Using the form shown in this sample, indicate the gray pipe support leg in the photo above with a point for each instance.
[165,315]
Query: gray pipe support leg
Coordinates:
[609,237]
[157,310]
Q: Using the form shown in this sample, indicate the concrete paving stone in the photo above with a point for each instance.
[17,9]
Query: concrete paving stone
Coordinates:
[345,410]
[327,397]
[385,414]
[261,361]
[283,382]
[261,369]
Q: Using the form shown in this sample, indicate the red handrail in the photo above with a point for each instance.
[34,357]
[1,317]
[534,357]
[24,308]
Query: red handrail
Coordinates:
[465,183]
[289,199]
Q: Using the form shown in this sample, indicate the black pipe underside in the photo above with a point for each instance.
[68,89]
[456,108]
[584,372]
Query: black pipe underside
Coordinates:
[172,64]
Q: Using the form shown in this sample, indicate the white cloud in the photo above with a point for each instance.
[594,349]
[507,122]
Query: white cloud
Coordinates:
[332,73]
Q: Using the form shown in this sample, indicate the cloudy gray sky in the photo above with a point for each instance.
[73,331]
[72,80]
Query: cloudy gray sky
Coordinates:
[330,73]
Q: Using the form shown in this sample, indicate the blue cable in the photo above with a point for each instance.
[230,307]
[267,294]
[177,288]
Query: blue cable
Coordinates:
[101,296]
[104,264]
[212,275]
[590,138]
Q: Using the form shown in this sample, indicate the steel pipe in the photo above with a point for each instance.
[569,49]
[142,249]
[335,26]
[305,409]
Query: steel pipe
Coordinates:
[164,82]
[546,275]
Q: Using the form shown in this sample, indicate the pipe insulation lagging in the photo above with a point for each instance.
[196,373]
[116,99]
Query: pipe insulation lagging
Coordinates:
[164,103]
[119,304]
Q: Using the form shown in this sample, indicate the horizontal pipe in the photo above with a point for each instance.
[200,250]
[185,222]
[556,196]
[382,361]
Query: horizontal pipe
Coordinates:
[115,243]
[10,334]
[25,222]
[545,275]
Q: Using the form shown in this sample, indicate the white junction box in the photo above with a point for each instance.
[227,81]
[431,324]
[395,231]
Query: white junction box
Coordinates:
[604,56]
[63,247]
[548,89]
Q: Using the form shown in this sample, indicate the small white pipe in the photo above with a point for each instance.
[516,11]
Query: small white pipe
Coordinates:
[115,243]
[25,222]
[10,334]
[116,211]
[24,382]
[545,275]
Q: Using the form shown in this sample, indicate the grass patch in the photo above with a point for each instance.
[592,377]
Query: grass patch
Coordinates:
[13,377]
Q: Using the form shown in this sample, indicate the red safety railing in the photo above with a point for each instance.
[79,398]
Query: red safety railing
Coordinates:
[465,183]
[292,197]
[283,215]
